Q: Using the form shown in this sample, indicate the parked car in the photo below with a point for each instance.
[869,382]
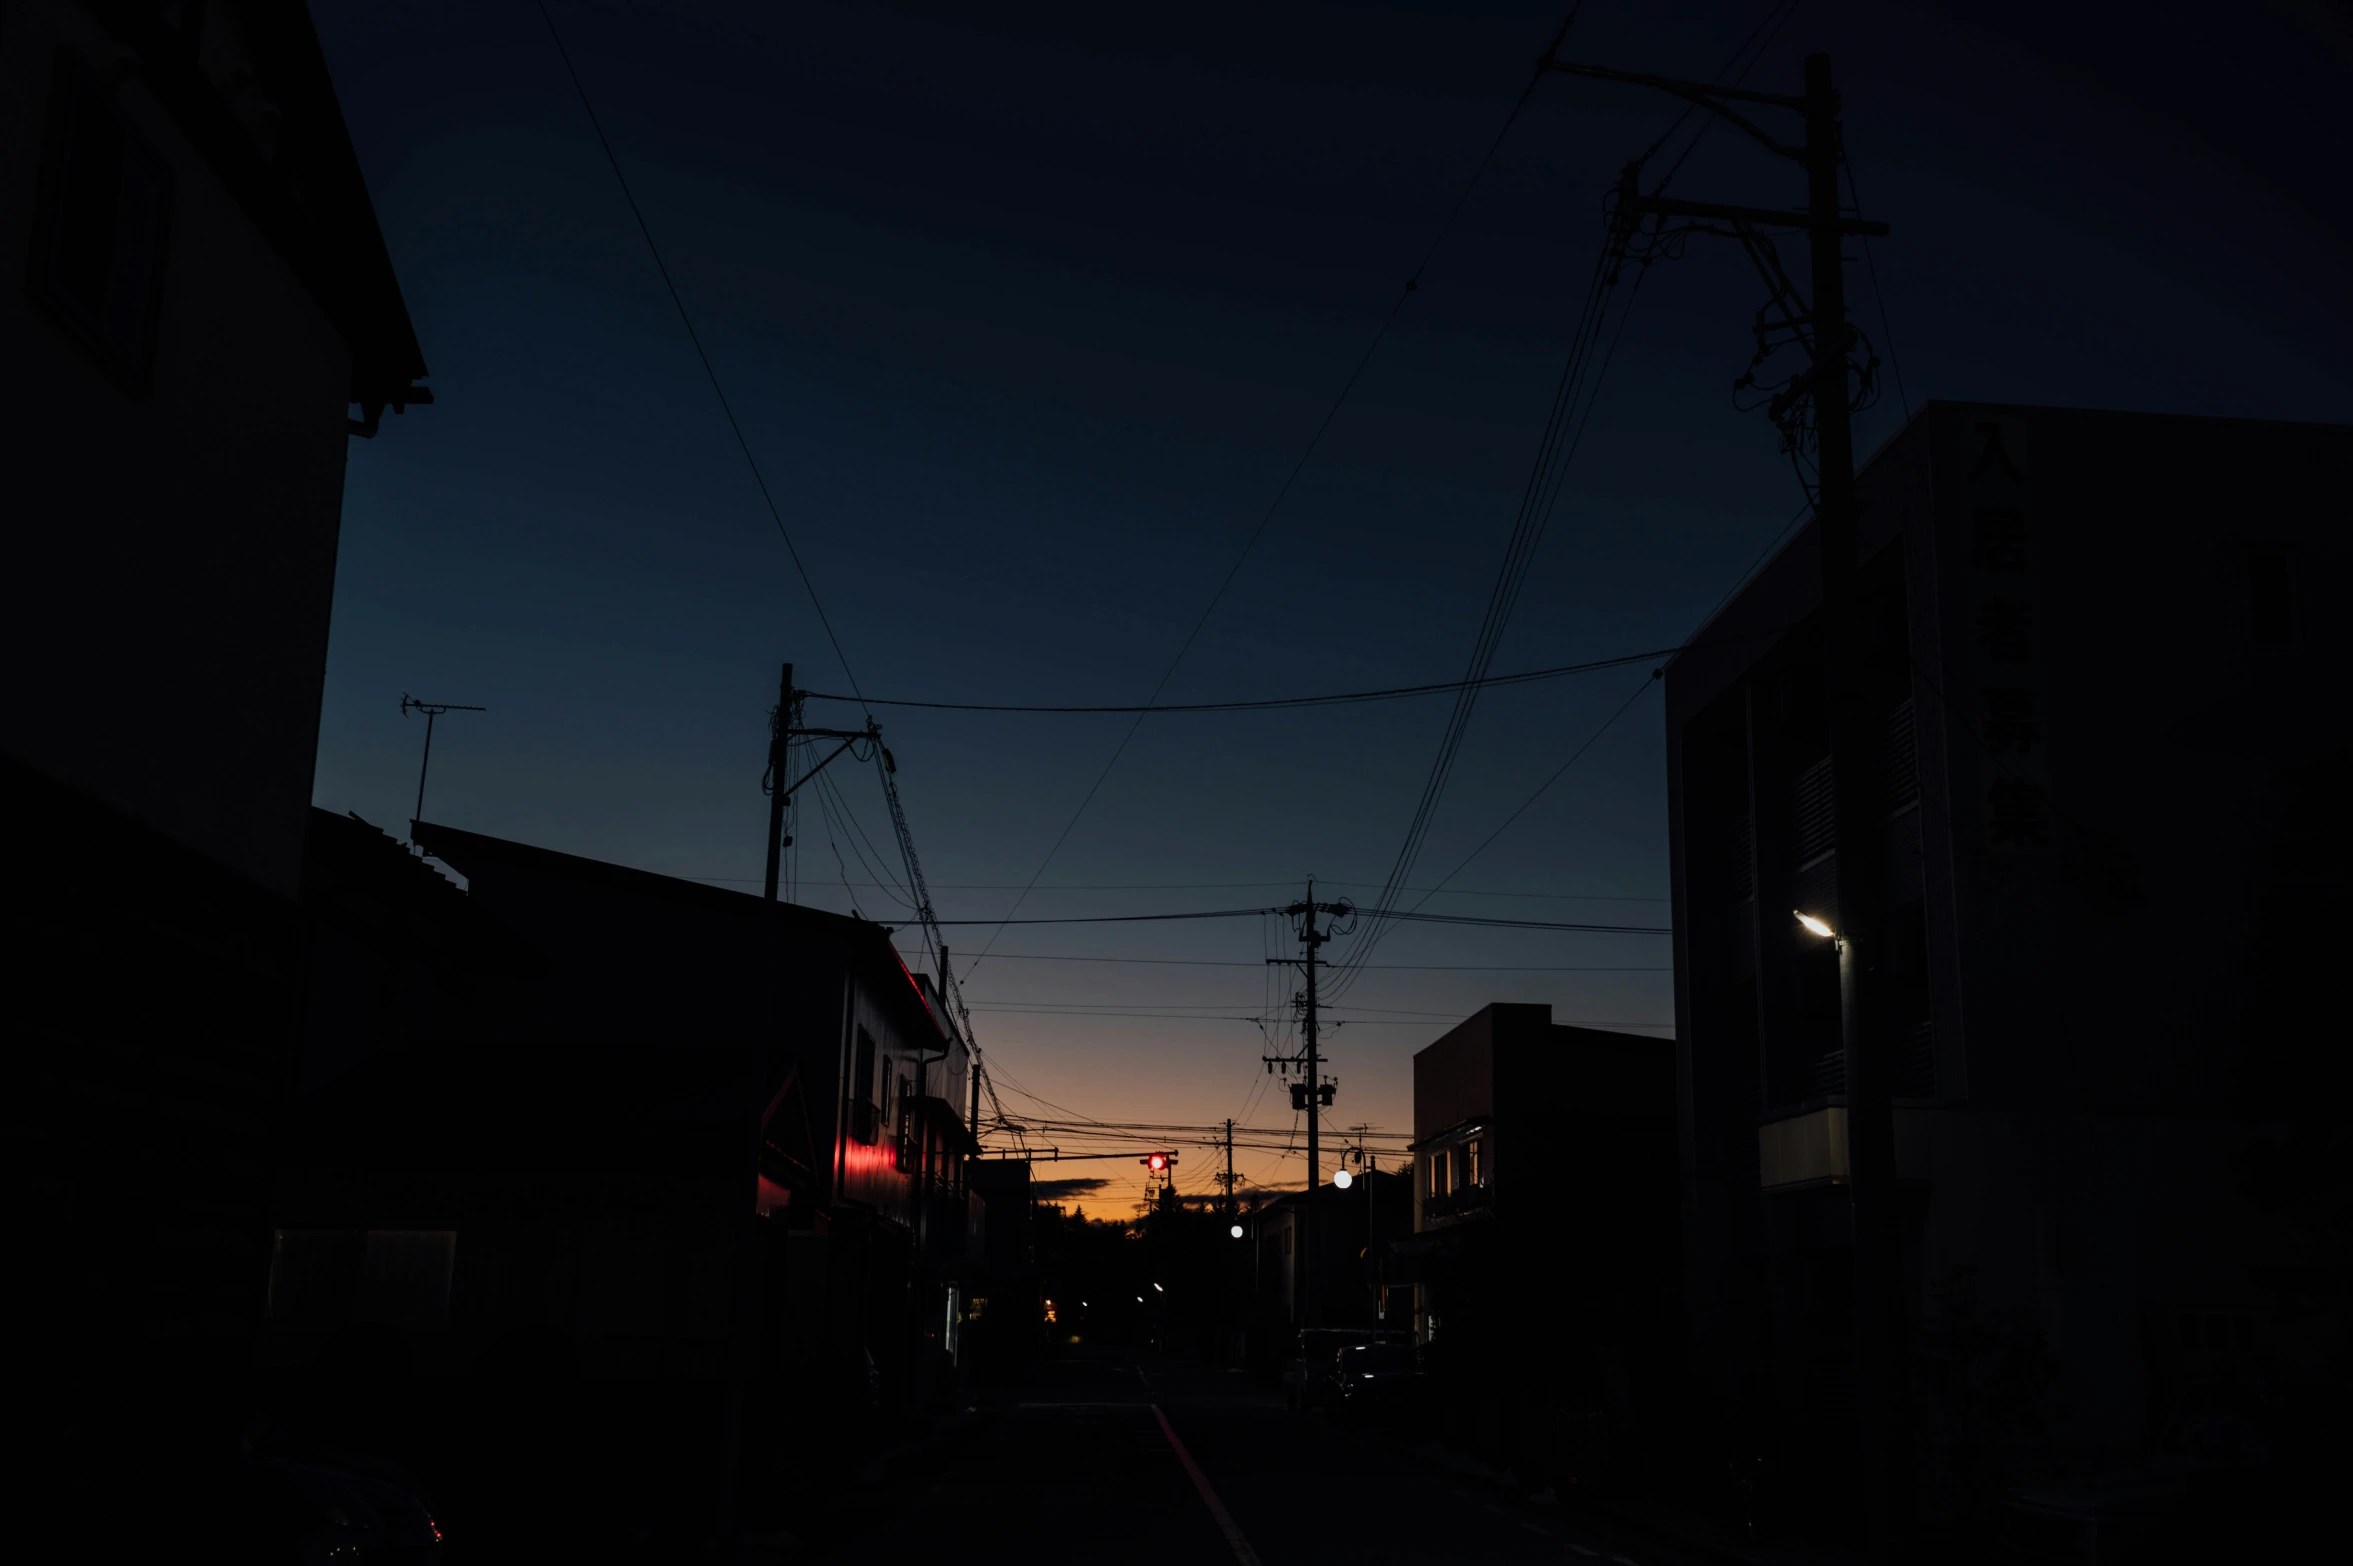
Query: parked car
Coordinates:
[1372,1381]
[1307,1373]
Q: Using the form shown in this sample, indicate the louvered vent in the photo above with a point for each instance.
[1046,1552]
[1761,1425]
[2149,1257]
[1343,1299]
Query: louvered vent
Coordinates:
[1817,813]
[1903,760]
[1915,1074]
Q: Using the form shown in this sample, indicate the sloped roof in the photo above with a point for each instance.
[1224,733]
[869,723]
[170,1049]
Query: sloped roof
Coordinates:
[247,83]
[865,942]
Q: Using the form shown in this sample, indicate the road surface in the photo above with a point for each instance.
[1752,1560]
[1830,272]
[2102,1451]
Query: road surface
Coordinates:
[1108,1456]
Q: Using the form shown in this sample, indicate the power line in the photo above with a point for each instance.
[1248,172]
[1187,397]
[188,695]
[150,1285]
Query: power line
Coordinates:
[1878,294]
[1215,886]
[1372,967]
[1419,1020]
[1187,1008]
[1411,916]
[1411,285]
[1252,913]
[775,514]
[1276,703]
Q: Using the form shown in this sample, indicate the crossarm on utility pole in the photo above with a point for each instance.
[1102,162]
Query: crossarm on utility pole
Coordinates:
[1769,217]
[822,765]
[1704,95]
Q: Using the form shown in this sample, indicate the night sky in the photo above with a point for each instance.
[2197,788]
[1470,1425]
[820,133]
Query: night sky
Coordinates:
[1028,311]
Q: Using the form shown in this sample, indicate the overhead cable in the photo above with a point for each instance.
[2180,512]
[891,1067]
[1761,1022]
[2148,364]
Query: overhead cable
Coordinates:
[1252,913]
[1315,440]
[767,497]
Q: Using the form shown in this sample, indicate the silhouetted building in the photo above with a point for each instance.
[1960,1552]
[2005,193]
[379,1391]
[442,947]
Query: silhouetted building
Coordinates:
[1005,1320]
[205,297]
[1543,1257]
[1353,1227]
[197,297]
[711,1155]
[2109,655]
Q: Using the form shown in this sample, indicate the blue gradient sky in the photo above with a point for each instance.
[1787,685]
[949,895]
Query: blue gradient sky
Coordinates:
[1028,313]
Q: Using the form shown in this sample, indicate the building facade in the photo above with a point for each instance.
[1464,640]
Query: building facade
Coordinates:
[705,1152]
[197,303]
[2103,646]
[1542,1264]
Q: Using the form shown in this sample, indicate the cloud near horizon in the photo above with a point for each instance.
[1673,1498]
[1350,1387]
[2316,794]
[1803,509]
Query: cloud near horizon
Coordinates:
[1059,1190]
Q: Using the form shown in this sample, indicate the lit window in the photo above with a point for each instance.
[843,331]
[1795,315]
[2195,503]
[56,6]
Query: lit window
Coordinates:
[1473,1173]
[1439,1172]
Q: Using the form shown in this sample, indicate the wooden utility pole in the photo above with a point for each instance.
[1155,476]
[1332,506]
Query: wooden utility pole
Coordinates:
[1229,1175]
[1855,744]
[1310,940]
[1854,721]
[779,791]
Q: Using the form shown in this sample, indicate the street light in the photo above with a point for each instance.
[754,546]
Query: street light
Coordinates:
[1157,1289]
[1343,1179]
[1235,1231]
[1815,926]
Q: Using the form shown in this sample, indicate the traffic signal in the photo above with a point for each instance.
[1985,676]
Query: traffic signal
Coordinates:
[1157,1162]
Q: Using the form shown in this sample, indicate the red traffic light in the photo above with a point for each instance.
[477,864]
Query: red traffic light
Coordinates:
[1158,1162]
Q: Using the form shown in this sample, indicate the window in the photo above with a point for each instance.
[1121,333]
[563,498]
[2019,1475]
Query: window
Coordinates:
[405,1275]
[1473,1174]
[1439,1170]
[1901,755]
[314,1275]
[2271,595]
[331,1277]
[98,237]
[863,1126]
[908,1151]
[1817,813]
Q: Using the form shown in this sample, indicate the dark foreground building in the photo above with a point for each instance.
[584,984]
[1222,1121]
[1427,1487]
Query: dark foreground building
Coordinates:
[1543,1255]
[656,1211]
[196,303]
[2110,663]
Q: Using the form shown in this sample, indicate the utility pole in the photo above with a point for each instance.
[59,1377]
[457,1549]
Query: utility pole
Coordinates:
[784,727]
[1880,1309]
[1311,1060]
[431,710]
[1229,1174]
[780,726]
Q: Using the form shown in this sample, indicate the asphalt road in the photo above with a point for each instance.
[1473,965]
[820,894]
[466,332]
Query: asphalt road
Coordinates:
[1106,1456]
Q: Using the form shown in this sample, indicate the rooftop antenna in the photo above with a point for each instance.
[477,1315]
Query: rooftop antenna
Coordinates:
[431,710]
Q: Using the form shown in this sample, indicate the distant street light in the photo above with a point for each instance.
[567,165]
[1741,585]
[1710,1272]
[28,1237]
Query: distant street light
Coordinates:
[1816,926]
[1235,1231]
[1157,1289]
[1343,1179]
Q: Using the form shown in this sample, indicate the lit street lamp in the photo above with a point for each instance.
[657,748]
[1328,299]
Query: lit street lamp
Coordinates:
[1815,926]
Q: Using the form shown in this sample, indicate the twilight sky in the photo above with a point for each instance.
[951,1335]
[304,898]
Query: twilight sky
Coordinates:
[1029,309]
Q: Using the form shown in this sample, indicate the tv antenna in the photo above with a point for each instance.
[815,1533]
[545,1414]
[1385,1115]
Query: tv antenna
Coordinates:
[431,710]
